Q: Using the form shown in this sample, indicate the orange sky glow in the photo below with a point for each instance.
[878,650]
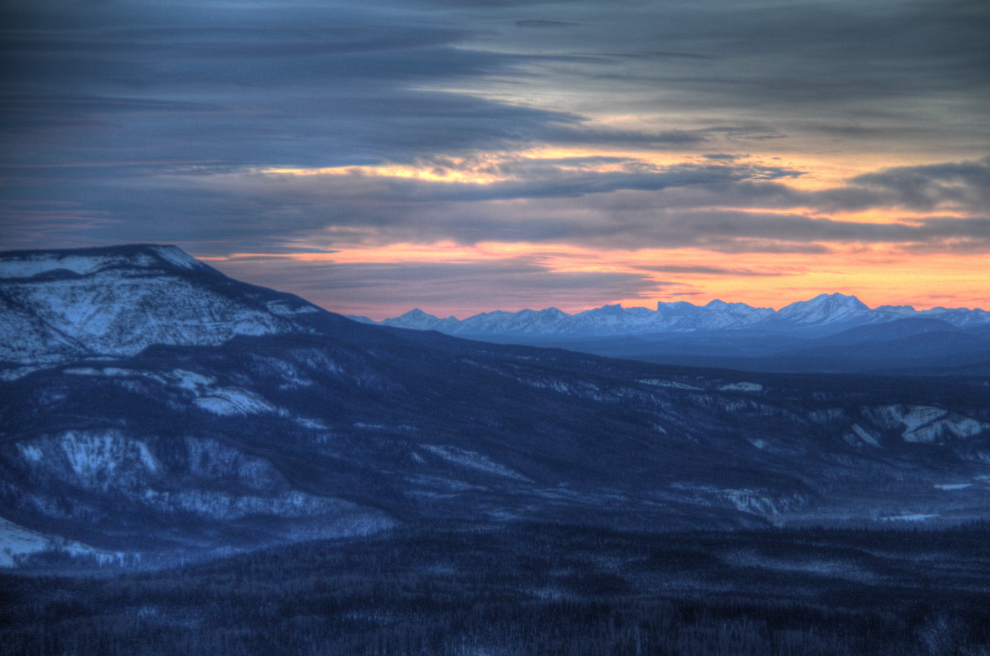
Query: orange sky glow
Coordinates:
[470,157]
[877,273]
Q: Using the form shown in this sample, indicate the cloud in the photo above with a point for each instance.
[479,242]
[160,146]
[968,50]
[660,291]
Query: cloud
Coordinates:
[298,84]
[960,185]
[441,288]
[543,23]
[710,271]
[147,121]
[601,202]
[287,85]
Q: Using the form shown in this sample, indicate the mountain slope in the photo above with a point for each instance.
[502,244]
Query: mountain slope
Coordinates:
[63,305]
[321,426]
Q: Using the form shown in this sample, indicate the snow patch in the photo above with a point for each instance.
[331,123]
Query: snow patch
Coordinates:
[223,401]
[233,401]
[473,460]
[18,543]
[84,371]
[283,308]
[916,517]
[863,435]
[925,424]
[754,502]
[668,383]
[30,452]
[750,501]
[177,257]
[742,387]
[949,427]
[95,458]
[224,506]
[190,380]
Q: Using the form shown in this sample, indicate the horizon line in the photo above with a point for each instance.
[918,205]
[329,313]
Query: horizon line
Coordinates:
[907,308]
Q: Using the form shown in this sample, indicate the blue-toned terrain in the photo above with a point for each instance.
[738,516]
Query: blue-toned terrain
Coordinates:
[831,333]
[193,465]
[154,409]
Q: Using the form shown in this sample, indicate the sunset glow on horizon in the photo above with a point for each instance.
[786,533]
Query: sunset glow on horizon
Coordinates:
[376,157]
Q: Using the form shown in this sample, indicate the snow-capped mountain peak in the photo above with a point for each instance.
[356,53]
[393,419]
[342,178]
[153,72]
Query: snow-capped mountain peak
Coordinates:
[825,312]
[824,308]
[414,319]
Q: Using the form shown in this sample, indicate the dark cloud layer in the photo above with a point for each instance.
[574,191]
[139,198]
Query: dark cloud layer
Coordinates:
[318,85]
[149,121]
[514,284]
[733,207]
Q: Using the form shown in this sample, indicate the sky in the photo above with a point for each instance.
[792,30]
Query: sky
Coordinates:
[467,156]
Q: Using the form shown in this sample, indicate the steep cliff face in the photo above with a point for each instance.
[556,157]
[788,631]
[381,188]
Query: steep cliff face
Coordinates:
[182,412]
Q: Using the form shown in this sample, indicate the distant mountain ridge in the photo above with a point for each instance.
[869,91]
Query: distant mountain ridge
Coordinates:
[824,314]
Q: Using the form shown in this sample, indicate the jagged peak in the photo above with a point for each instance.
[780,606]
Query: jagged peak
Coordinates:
[615,308]
[834,300]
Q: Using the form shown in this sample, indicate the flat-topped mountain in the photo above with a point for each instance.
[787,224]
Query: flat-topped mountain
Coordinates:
[154,407]
[63,305]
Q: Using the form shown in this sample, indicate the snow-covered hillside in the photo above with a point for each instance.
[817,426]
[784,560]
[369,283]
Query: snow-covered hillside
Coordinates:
[59,306]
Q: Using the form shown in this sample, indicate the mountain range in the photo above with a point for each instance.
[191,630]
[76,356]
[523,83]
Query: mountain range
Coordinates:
[826,313]
[152,408]
[831,333]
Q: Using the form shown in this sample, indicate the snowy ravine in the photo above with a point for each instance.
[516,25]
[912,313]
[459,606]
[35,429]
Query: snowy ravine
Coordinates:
[153,409]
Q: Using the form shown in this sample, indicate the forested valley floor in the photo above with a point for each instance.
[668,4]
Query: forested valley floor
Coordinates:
[529,589]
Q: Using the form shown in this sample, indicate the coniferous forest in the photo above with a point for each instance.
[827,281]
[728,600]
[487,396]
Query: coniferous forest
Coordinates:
[529,589]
